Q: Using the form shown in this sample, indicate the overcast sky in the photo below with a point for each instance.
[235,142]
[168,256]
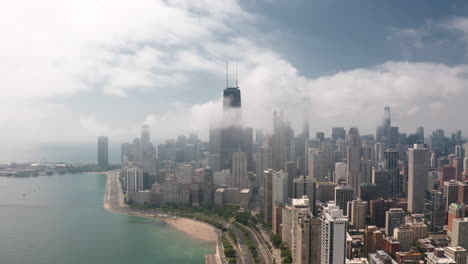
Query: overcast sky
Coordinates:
[73,70]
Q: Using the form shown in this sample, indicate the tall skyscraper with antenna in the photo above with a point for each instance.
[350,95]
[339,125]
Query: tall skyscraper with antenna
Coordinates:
[232,132]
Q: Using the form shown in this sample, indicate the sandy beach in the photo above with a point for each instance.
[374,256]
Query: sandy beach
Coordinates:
[114,202]
[194,228]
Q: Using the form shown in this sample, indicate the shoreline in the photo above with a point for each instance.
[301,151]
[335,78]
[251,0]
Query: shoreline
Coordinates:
[193,228]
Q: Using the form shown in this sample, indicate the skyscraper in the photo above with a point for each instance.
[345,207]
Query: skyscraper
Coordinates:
[280,141]
[214,146]
[394,177]
[133,178]
[465,165]
[381,178]
[306,238]
[458,254]
[343,194]
[395,217]
[125,152]
[268,195]
[208,186]
[456,210]
[460,232]
[145,134]
[383,131]
[358,213]
[280,187]
[393,137]
[185,174]
[378,209]
[103,152]
[300,230]
[404,235]
[463,192]
[450,193]
[306,129]
[458,164]
[416,224]
[239,176]
[334,229]
[340,172]
[291,169]
[373,239]
[231,131]
[387,121]
[418,168]
[265,162]
[338,133]
[231,98]
[136,151]
[420,133]
[303,186]
[149,159]
[317,165]
[354,159]
[434,210]
[447,173]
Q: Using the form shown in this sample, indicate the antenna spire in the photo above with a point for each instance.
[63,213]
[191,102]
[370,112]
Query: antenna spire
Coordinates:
[237,81]
[227,73]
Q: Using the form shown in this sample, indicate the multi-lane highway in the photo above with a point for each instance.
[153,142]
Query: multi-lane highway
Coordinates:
[242,244]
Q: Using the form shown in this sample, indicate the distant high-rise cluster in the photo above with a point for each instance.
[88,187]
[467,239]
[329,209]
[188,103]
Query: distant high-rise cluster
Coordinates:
[103,152]
[346,197]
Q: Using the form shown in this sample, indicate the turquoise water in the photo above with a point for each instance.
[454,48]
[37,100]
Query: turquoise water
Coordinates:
[60,219]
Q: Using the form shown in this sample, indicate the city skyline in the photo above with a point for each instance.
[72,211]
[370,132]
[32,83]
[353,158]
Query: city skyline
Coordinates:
[234,131]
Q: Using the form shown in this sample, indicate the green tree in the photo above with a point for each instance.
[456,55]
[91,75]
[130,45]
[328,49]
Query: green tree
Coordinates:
[229,252]
[275,240]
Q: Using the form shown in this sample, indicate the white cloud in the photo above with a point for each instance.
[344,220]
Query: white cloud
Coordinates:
[459,25]
[425,94]
[53,48]
[407,37]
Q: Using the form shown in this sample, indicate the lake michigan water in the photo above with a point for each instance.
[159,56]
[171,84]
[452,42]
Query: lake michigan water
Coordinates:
[59,219]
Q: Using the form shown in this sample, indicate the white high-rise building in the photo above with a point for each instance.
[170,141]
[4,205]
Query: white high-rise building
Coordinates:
[404,235]
[221,177]
[379,152]
[280,187]
[358,213]
[265,158]
[185,173]
[418,169]
[133,179]
[334,229]
[354,160]
[300,211]
[340,172]
[458,254]
[317,165]
[301,231]
[433,161]
[460,232]
[239,177]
